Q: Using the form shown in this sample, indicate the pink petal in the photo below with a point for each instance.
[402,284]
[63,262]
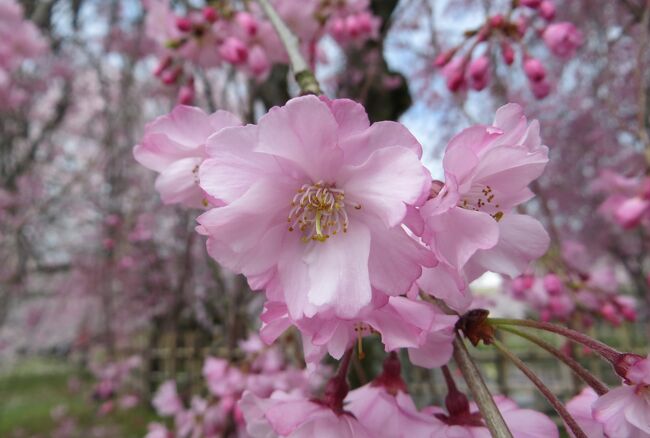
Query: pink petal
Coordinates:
[396,261]
[458,233]
[338,271]
[522,239]
[391,178]
[179,183]
[303,131]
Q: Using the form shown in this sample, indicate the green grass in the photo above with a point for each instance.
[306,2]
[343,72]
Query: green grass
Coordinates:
[31,390]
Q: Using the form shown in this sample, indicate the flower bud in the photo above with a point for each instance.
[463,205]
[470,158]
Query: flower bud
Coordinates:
[210,14]
[552,284]
[478,71]
[507,53]
[540,89]
[183,24]
[563,39]
[530,3]
[497,20]
[247,22]
[534,69]
[163,65]
[631,212]
[443,58]
[258,62]
[547,10]
[186,93]
[233,50]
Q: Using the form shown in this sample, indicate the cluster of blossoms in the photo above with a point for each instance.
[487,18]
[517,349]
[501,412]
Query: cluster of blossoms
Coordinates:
[571,296]
[115,387]
[468,64]
[338,221]
[628,199]
[263,371]
[20,40]
[381,408]
[221,34]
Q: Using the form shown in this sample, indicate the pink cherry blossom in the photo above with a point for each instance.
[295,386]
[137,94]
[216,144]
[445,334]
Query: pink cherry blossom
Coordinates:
[563,39]
[222,378]
[315,200]
[470,223]
[580,409]
[166,400]
[290,415]
[420,327]
[174,146]
[625,411]
[523,423]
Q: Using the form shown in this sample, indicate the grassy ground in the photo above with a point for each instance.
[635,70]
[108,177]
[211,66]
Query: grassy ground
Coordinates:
[33,389]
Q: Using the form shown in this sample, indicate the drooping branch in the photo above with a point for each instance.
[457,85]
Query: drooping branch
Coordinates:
[578,369]
[546,392]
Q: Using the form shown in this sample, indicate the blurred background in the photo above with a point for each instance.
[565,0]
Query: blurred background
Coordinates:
[105,293]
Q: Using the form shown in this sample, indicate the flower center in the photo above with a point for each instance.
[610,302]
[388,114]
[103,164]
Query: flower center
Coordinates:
[481,198]
[318,211]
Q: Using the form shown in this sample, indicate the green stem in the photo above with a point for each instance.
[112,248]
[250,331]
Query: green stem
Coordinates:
[546,392]
[578,369]
[479,390]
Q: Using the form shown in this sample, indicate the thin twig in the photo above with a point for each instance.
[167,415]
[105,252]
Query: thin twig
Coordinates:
[480,392]
[604,350]
[578,369]
[304,76]
[546,392]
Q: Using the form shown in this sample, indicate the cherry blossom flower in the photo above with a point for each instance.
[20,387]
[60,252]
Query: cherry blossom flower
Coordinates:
[385,407]
[563,39]
[625,411]
[166,400]
[317,181]
[420,327]
[580,409]
[469,223]
[291,415]
[468,423]
[174,146]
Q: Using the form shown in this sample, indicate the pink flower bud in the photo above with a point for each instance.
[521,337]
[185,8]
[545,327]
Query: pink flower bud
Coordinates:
[352,26]
[530,3]
[540,89]
[507,53]
[171,76]
[365,22]
[337,28]
[523,283]
[186,93]
[233,50]
[443,58]
[163,65]
[479,67]
[563,39]
[210,14]
[631,211]
[183,24]
[454,72]
[534,69]
[552,284]
[610,313]
[258,62]
[478,71]
[247,22]
[497,20]
[522,25]
[547,10]
[629,313]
